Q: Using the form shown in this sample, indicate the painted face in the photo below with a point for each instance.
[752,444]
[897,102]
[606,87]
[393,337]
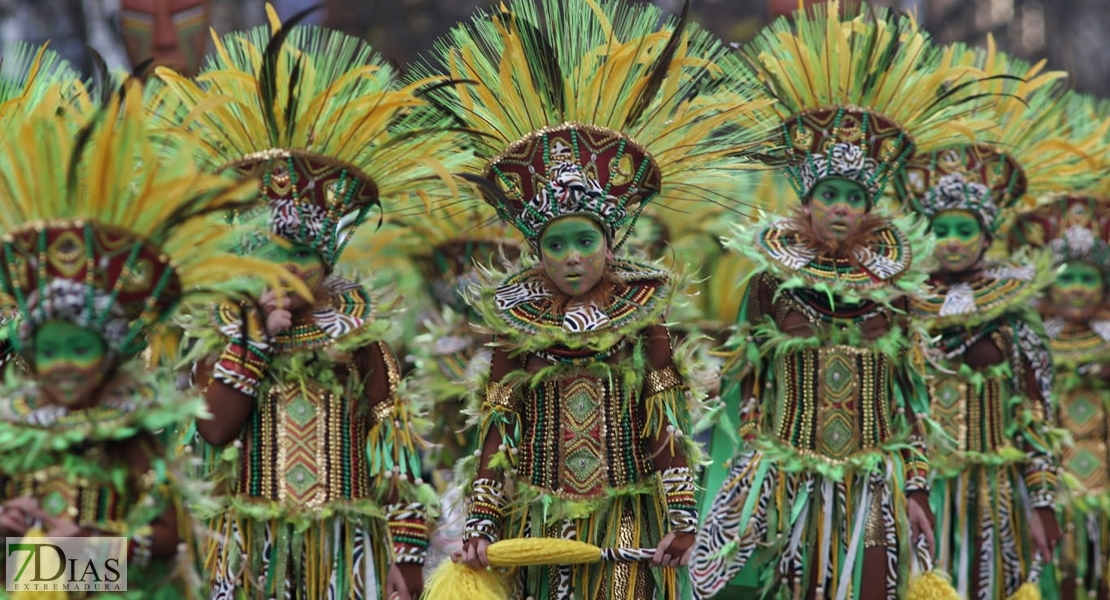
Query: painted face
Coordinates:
[573,253]
[300,260]
[836,207]
[70,363]
[961,240]
[172,32]
[1077,291]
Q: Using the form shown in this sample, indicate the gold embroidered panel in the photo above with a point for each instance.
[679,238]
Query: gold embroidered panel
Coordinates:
[304,447]
[87,503]
[833,401]
[976,418]
[580,439]
[1083,413]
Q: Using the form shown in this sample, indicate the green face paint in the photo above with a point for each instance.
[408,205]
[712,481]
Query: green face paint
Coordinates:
[573,252]
[1078,290]
[960,240]
[837,206]
[299,259]
[69,362]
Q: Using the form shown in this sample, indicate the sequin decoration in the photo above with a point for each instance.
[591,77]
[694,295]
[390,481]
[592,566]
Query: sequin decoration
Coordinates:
[833,401]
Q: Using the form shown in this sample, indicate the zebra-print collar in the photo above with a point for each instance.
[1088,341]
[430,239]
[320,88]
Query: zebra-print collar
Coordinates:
[875,265]
[523,298]
[1073,343]
[984,296]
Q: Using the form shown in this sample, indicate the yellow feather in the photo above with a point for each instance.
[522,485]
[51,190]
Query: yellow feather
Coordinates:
[272,18]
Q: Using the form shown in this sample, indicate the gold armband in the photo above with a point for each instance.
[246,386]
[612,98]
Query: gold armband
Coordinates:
[501,396]
[662,380]
[382,411]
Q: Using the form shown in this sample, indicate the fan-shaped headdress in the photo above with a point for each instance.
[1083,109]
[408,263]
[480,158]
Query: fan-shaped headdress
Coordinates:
[1076,228]
[318,116]
[859,89]
[109,229]
[1031,152]
[595,109]
[30,75]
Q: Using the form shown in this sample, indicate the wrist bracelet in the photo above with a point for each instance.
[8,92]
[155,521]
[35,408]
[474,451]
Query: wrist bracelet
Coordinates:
[487,504]
[242,367]
[678,487]
[139,545]
[408,529]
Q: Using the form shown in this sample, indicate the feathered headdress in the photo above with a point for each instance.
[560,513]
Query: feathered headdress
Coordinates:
[315,114]
[859,89]
[1075,223]
[109,229]
[447,246]
[1076,228]
[594,108]
[1030,153]
[31,75]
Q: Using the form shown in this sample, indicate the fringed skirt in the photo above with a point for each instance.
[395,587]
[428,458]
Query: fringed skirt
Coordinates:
[1085,549]
[803,530]
[982,530]
[625,521]
[336,558]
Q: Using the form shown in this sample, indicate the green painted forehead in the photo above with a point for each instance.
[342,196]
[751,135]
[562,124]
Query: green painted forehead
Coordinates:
[573,225]
[841,184]
[58,327]
[1081,268]
[63,336]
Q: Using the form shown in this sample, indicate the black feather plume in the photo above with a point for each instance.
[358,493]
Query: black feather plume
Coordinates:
[543,60]
[102,88]
[267,74]
[662,65]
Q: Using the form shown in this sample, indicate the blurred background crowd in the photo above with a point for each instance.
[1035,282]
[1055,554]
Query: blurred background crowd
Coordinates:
[1071,34]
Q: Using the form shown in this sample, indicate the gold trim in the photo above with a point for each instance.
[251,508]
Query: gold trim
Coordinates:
[382,411]
[662,380]
[874,534]
[501,396]
[392,368]
[256,161]
[567,126]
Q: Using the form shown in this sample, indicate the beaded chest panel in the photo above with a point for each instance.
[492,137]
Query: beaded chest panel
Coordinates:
[833,401]
[304,447]
[975,416]
[580,438]
[87,503]
[1083,413]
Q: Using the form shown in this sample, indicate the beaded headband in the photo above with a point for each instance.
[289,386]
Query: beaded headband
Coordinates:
[847,143]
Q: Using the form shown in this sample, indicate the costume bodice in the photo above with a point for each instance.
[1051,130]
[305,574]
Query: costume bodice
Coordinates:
[581,435]
[92,502]
[304,447]
[831,397]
